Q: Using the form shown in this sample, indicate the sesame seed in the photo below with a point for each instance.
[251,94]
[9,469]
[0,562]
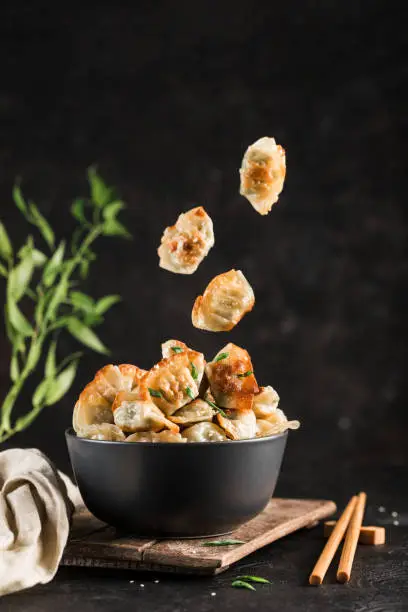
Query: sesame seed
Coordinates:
[394,514]
[381,509]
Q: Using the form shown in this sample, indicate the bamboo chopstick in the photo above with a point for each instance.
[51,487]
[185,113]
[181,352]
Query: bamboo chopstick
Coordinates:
[350,543]
[322,565]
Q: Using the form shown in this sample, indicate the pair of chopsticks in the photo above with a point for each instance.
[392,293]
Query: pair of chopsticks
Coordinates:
[351,520]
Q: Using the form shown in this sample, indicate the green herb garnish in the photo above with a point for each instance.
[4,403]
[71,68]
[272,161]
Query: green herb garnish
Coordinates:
[194,371]
[155,393]
[254,579]
[189,393]
[223,543]
[220,357]
[245,374]
[241,584]
[210,403]
[176,349]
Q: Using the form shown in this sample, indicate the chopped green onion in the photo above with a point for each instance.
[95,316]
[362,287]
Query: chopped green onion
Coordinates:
[194,371]
[241,584]
[220,357]
[245,374]
[223,543]
[177,349]
[155,393]
[189,393]
[210,403]
[254,579]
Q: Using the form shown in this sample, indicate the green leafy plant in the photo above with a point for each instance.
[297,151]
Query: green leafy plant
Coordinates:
[42,298]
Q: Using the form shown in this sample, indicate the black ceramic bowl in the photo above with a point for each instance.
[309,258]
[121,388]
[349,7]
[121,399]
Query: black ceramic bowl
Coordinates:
[176,490]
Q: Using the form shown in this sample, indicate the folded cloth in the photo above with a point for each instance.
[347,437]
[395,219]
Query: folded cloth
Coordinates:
[36,507]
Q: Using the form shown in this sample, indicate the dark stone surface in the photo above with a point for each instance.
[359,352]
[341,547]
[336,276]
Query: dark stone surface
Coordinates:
[165,98]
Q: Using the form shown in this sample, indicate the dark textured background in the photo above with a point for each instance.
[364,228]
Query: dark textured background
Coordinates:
[166,99]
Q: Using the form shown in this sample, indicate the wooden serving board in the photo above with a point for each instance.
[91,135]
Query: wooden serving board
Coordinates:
[95,544]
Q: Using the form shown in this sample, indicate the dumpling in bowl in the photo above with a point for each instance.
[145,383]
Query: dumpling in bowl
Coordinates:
[275,424]
[195,412]
[91,409]
[102,431]
[111,379]
[172,347]
[263,174]
[238,424]
[224,302]
[232,379]
[265,402]
[204,432]
[175,381]
[150,436]
[134,412]
[185,244]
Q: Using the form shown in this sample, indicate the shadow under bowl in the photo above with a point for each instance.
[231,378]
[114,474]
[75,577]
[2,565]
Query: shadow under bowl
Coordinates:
[166,490]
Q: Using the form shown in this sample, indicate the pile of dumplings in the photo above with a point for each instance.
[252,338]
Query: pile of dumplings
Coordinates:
[181,399]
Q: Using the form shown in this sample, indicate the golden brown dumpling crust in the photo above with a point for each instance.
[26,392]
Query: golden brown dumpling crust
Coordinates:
[134,412]
[175,381]
[195,412]
[204,432]
[185,244]
[232,379]
[265,402]
[171,347]
[227,298]
[263,174]
[103,431]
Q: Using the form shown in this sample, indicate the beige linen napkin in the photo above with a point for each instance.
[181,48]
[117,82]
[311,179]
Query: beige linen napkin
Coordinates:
[36,506]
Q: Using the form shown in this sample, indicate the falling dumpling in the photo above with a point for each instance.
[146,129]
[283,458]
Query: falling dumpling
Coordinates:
[195,412]
[265,402]
[185,244]
[102,431]
[227,298]
[175,381]
[204,432]
[263,173]
[232,379]
[134,412]
[238,424]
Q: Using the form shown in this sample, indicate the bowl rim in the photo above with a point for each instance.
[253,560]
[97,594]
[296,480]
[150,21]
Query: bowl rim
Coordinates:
[70,433]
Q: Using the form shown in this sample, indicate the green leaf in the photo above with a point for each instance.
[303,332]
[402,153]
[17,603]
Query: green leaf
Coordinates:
[20,202]
[34,354]
[39,258]
[20,277]
[111,211]
[78,211]
[105,303]
[61,384]
[100,193]
[220,357]
[223,543]
[50,362]
[241,584]
[189,393]
[155,393]
[14,367]
[44,227]
[250,578]
[178,349]
[6,250]
[73,357]
[17,319]
[26,420]
[92,319]
[86,336]
[114,228]
[84,268]
[53,267]
[194,371]
[41,391]
[3,270]
[82,301]
[58,296]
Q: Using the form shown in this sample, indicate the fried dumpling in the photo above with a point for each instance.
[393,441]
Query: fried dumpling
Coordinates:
[263,173]
[265,402]
[102,431]
[150,436]
[175,381]
[185,244]
[170,347]
[238,424]
[232,379]
[91,409]
[204,432]
[224,302]
[274,424]
[195,412]
[134,412]
[111,379]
